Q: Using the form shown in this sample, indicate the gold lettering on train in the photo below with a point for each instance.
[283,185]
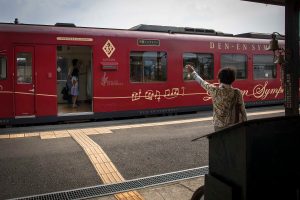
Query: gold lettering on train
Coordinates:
[219,45]
[207,98]
[259,91]
[136,95]
[226,46]
[157,95]
[237,46]
[245,92]
[173,93]
[262,92]
[74,39]
[150,95]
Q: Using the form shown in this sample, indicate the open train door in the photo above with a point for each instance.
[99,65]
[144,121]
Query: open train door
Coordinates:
[24,81]
[66,54]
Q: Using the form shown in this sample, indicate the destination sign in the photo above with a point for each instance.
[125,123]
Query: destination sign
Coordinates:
[148,42]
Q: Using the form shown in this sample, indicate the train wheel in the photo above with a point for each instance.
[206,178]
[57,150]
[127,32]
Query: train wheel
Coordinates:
[198,194]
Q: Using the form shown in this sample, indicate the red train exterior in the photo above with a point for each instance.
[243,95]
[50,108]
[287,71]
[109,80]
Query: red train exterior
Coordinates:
[34,58]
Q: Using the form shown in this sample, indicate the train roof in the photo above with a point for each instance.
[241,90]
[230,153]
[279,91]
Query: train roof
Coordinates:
[198,31]
[174,29]
[73,29]
[258,35]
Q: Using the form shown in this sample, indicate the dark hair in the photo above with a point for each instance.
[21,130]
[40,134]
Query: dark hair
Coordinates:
[75,72]
[227,75]
[74,62]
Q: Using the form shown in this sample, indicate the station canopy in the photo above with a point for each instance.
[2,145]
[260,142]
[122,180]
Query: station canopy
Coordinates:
[274,2]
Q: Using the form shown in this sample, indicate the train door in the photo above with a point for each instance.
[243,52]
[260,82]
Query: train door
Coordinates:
[24,81]
[68,58]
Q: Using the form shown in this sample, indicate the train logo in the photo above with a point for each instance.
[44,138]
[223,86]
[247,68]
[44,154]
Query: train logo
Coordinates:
[106,82]
[108,48]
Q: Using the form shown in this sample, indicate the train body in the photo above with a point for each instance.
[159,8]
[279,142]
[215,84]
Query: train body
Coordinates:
[123,72]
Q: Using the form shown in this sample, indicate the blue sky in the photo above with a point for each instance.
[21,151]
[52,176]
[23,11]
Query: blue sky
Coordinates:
[230,16]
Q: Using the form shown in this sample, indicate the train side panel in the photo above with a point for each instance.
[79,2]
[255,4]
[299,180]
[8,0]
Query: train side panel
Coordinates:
[112,89]
[45,86]
[116,92]
[6,80]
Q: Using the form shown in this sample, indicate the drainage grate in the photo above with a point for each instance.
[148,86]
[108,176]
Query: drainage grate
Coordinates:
[103,190]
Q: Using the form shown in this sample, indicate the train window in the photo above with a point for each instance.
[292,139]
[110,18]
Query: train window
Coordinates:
[24,68]
[148,66]
[3,68]
[203,63]
[237,61]
[264,67]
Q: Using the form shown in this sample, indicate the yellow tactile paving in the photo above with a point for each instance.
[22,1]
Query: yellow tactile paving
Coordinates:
[148,124]
[109,129]
[35,134]
[4,136]
[47,135]
[106,170]
[103,130]
[90,131]
[61,134]
[115,127]
[19,135]
[133,195]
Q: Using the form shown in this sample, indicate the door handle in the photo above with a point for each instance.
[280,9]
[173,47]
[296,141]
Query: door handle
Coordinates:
[32,90]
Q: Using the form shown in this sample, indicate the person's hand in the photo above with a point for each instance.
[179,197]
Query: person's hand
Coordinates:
[189,68]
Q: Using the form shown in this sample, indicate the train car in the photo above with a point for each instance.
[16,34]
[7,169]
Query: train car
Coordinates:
[123,73]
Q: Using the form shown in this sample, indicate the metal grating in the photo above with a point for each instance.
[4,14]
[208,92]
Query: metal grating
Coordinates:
[104,190]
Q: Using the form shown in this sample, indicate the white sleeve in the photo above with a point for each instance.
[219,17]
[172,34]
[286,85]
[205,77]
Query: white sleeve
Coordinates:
[197,78]
[207,86]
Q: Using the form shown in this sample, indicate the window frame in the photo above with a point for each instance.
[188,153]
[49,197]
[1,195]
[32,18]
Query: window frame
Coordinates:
[274,65]
[24,75]
[4,57]
[235,68]
[197,69]
[141,65]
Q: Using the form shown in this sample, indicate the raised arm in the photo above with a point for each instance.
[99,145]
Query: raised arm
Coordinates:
[207,86]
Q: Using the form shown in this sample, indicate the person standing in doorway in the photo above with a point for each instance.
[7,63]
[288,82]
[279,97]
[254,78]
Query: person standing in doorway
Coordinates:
[75,83]
[228,103]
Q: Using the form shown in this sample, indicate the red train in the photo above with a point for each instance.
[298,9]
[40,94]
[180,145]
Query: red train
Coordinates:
[122,73]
